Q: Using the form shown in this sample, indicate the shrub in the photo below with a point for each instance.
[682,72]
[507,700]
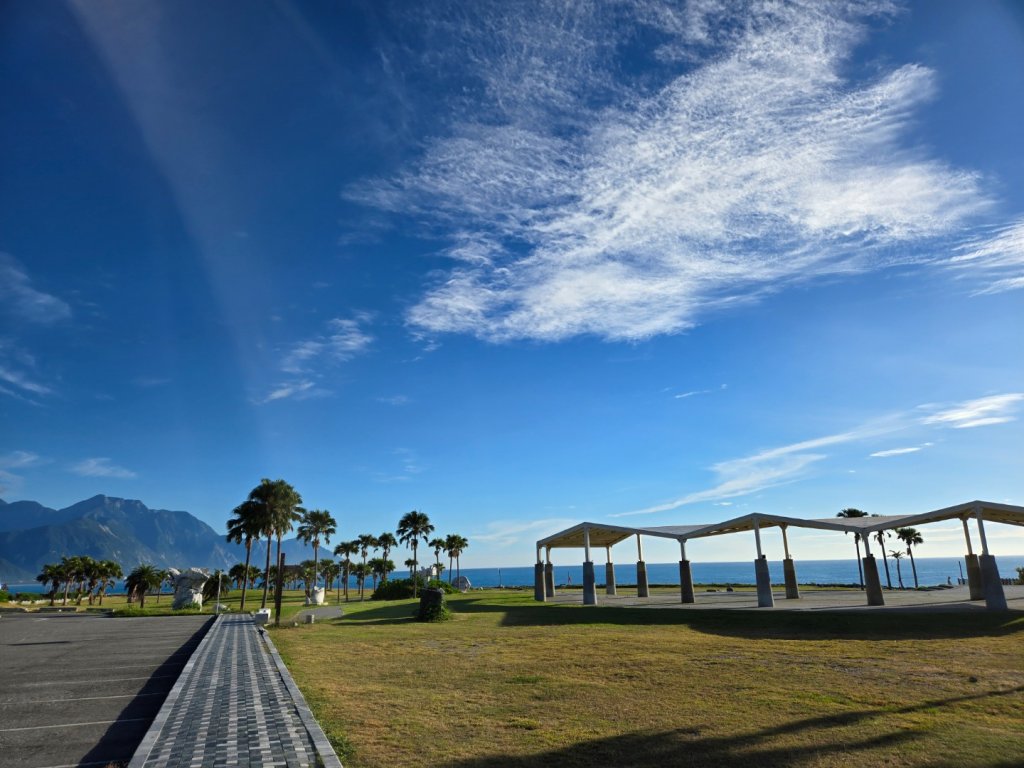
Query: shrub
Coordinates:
[4,596]
[401,589]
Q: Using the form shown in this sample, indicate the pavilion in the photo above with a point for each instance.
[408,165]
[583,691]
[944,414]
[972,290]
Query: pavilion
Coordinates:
[983,578]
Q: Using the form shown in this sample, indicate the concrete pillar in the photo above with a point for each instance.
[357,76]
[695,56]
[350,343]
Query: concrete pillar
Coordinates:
[872,584]
[995,598]
[589,593]
[642,589]
[765,599]
[974,580]
[538,582]
[609,578]
[789,571]
[686,582]
[549,579]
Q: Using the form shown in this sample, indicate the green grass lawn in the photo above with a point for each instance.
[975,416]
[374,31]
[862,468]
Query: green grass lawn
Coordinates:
[511,682]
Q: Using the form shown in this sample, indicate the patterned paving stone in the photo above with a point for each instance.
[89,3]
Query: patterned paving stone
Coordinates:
[233,708]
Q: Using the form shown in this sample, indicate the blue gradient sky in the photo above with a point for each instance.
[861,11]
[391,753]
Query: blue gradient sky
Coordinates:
[516,265]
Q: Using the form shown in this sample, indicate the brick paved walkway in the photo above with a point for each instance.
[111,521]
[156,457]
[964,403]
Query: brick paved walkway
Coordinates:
[234,705]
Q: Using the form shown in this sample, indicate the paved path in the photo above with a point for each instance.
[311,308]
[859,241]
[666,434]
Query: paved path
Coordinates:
[234,705]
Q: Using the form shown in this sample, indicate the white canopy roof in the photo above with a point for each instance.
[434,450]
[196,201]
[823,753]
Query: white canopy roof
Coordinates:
[606,535]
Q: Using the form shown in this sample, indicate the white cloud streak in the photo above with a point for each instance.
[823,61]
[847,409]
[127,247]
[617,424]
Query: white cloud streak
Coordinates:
[101,467]
[894,452]
[585,204]
[981,412]
[997,259]
[21,300]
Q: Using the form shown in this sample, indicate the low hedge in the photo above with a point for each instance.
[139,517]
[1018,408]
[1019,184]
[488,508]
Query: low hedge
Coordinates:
[401,589]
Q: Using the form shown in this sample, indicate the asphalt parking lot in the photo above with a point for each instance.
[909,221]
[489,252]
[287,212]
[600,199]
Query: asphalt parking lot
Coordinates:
[81,690]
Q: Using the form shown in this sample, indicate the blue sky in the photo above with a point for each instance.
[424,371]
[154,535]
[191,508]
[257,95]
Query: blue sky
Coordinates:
[516,265]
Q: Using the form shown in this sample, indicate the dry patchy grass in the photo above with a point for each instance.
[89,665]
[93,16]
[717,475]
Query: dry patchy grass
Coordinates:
[510,682]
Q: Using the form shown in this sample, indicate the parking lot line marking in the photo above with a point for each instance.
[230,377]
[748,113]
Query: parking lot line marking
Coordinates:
[101,680]
[75,725]
[93,698]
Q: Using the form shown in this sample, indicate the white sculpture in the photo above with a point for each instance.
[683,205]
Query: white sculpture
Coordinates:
[188,587]
[317,598]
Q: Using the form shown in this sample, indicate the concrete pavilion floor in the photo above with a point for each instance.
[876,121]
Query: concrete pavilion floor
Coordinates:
[938,600]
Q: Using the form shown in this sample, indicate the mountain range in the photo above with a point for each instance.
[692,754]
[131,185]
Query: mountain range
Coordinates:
[123,530]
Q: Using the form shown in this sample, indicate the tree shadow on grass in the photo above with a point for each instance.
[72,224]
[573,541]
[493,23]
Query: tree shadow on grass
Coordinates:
[686,746]
[788,625]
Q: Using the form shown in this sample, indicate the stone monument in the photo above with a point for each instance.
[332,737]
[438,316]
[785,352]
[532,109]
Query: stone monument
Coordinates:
[188,587]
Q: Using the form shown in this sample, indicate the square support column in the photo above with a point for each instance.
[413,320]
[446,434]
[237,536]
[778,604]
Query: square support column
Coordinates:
[765,598]
[872,584]
[539,593]
[995,597]
[789,571]
[589,593]
[974,581]
[609,578]
[549,579]
[686,582]
[642,589]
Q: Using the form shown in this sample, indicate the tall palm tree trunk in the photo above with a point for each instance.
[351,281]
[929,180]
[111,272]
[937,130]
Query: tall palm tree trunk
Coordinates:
[266,572]
[245,576]
[451,559]
[913,565]
[888,577]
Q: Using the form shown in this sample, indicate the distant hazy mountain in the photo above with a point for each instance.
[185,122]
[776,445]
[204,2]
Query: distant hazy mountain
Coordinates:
[123,530]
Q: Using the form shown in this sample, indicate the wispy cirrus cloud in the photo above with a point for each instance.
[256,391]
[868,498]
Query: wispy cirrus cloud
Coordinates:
[21,300]
[101,467]
[889,452]
[587,202]
[17,460]
[980,412]
[996,259]
[306,360]
[788,463]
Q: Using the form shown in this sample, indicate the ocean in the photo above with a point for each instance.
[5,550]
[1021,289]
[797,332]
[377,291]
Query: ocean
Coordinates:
[930,572]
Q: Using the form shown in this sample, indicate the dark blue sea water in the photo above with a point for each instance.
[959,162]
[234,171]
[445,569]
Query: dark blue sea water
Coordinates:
[930,571]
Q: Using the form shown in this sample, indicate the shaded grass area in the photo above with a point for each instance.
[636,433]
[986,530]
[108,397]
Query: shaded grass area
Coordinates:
[510,682]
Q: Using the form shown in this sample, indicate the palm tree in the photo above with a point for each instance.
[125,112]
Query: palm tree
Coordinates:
[144,578]
[361,570]
[249,523]
[376,570]
[316,523]
[51,574]
[280,501]
[345,550]
[437,544]
[387,542]
[309,574]
[330,570]
[848,513]
[897,555]
[411,528]
[411,565]
[110,572]
[880,537]
[367,541]
[456,544]
[911,537]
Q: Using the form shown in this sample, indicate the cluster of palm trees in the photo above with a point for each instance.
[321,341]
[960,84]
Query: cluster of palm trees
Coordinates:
[272,509]
[910,537]
[91,578]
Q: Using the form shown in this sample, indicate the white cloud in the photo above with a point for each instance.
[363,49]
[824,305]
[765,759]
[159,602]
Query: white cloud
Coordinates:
[296,389]
[20,460]
[20,299]
[894,452]
[22,381]
[394,400]
[997,258]
[507,533]
[981,412]
[100,467]
[343,340]
[745,161]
